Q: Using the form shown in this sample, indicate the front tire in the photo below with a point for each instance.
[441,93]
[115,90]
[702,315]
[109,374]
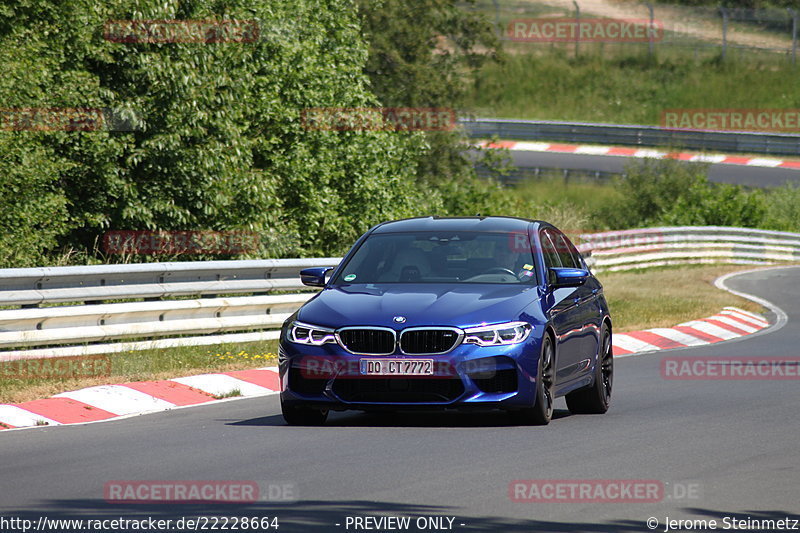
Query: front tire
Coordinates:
[303,416]
[542,411]
[596,399]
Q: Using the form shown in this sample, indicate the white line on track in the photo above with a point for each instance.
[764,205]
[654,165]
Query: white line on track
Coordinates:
[678,336]
[711,329]
[221,384]
[17,416]
[744,318]
[626,342]
[117,399]
[735,323]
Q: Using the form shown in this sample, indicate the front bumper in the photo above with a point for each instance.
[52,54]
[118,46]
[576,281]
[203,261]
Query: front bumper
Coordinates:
[468,377]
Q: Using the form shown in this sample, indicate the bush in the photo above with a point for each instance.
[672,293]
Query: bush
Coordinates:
[782,211]
[33,211]
[649,190]
[219,143]
[673,193]
[710,204]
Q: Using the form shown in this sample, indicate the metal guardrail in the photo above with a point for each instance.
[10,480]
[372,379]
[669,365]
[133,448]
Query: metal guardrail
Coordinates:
[69,330]
[632,135]
[105,322]
[34,286]
[649,247]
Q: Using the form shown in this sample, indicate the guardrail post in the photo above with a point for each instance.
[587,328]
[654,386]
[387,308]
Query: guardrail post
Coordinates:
[793,14]
[497,19]
[724,12]
[652,22]
[577,26]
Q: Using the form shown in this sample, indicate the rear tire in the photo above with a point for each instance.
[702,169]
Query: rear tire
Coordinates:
[303,416]
[542,411]
[596,399]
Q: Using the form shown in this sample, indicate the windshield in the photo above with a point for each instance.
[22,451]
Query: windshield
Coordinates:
[452,257]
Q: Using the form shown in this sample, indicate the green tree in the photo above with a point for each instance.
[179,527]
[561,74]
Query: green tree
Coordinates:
[712,204]
[649,189]
[673,193]
[218,140]
[425,54]
[420,52]
[33,210]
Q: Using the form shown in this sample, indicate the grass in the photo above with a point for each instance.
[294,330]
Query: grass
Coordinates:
[234,393]
[664,297]
[147,365]
[585,196]
[550,84]
[689,30]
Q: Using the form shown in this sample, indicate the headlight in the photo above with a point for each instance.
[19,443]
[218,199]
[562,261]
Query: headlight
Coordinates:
[499,334]
[308,334]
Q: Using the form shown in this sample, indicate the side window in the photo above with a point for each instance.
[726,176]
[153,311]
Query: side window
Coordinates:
[551,258]
[565,249]
[575,253]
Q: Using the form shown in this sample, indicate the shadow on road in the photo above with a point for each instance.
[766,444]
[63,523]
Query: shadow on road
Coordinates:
[432,419]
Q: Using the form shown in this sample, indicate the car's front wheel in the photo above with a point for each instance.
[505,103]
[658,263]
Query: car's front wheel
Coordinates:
[597,398]
[303,416]
[542,410]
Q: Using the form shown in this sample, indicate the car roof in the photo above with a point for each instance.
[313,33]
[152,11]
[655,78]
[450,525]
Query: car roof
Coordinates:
[477,223]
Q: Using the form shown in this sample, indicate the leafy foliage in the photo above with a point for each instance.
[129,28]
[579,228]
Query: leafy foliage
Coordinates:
[218,141]
[33,213]
[782,211]
[420,51]
[424,54]
[669,192]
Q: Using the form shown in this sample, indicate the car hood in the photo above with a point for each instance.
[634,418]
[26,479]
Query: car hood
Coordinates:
[422,305]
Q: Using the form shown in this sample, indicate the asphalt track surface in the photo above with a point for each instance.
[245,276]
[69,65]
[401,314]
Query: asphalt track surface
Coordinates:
[750,176]
[734,444]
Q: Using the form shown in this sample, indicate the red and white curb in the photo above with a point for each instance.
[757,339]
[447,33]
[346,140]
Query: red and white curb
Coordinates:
[729,323]
[105,402]
[589,149]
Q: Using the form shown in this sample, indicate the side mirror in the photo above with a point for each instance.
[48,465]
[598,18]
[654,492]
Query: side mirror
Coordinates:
[314,276]
[567,277]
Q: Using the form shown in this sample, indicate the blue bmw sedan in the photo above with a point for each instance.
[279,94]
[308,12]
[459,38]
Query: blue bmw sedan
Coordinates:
[450,313]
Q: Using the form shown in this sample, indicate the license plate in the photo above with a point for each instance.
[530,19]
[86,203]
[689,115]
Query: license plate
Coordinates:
[396,367]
